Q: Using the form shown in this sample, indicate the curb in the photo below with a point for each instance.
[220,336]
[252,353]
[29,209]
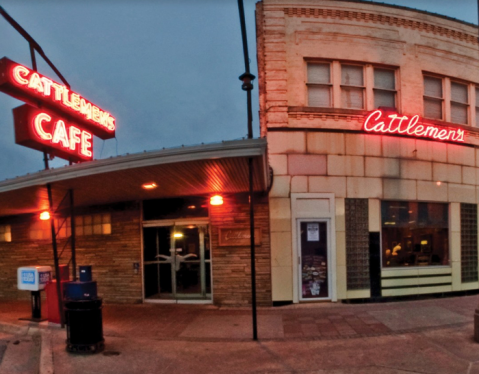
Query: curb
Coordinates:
[46,354]
[46,351]
[11,328]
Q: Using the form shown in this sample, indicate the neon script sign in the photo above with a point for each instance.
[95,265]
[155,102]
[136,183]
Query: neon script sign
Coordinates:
[45,131]
[38,90]
[380,123]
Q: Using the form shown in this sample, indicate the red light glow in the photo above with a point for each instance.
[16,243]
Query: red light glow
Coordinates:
[378,122]
[216,200]
[43,130]
[34,88]
[149,186]
[44,216]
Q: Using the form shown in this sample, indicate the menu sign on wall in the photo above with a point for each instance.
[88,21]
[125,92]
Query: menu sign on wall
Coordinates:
[235,237]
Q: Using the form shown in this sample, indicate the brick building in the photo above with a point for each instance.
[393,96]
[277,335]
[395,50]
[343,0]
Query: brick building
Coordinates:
[369,203]
[145,225]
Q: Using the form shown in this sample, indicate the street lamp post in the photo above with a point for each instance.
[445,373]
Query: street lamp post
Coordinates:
[247,86]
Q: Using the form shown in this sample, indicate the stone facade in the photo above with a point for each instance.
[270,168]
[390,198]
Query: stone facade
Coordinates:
[232,265]
[317,150]
[111,256]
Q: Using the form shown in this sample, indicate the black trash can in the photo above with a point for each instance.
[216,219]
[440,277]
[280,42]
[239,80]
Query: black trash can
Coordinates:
[84,326]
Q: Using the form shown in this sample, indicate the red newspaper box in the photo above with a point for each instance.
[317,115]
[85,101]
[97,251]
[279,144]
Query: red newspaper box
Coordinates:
[52,296]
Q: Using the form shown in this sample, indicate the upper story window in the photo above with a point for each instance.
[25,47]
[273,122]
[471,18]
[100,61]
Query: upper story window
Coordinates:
[350,86]
[451,101]
[384,88]
[459,103]
[433,98]
[5,233]
[319,85]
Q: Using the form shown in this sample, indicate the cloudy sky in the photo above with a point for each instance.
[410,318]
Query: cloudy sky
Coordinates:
[167,70]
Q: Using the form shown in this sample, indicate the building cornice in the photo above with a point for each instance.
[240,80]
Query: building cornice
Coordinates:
[361,16]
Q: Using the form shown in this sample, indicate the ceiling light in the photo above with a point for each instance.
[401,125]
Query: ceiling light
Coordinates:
[45,215]
[149,186]
[216,200]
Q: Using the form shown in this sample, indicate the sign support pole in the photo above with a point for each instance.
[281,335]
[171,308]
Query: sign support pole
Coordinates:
[55,257]
[247,77]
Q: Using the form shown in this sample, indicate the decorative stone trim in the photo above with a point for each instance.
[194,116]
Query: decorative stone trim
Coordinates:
[326,116]
[382,19]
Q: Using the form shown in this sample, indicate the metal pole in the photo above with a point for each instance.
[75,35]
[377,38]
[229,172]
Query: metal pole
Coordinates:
[253,252]
[33,44]
[55,257]
[247,77]
[32,55]
[72,242]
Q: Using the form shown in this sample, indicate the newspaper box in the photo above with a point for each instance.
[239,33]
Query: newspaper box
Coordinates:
[34,279]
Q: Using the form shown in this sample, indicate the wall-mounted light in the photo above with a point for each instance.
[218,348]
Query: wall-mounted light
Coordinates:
[177,235]
[44,216]
[216,200]
[149,186]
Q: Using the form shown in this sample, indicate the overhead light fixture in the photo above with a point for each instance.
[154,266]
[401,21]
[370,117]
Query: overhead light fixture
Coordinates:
[149,186]
[177,235]
[44,216]
[216,200]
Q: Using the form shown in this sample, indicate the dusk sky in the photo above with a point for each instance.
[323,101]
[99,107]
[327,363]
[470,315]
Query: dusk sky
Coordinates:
[166,70]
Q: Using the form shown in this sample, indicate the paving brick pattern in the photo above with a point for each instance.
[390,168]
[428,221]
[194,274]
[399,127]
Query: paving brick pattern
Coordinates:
[295,322]
[342,324]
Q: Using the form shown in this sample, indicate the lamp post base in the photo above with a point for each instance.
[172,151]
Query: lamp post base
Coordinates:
[476,326]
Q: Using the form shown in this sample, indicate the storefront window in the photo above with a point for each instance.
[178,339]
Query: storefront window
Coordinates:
[414,234]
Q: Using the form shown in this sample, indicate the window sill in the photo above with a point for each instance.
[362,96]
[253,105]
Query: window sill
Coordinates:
[325,110]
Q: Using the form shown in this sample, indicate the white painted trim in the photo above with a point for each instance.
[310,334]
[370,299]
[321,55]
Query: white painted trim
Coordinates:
[158,301]
[173,301]
[295,252]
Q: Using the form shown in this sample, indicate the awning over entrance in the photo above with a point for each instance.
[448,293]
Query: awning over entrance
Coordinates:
[195,170]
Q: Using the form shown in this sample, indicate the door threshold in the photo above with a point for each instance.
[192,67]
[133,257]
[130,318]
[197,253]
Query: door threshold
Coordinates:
[157,301]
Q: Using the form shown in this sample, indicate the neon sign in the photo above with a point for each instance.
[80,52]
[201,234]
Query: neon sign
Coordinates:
[44,130]
[381,123]
[40,91]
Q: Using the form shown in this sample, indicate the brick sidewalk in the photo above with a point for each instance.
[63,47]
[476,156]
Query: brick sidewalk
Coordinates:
[305,321]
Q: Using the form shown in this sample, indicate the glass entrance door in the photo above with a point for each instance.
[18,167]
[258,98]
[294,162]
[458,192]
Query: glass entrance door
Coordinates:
[314,260]
[177,262]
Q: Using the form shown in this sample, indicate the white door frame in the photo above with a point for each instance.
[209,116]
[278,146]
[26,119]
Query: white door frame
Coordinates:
[326,212]
[328,255]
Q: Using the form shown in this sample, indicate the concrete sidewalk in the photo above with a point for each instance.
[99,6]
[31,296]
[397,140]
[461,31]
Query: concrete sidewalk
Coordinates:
[426,336]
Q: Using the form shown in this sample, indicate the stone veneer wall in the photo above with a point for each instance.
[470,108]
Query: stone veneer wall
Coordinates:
[111,256]
[232,265]
[322,150]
